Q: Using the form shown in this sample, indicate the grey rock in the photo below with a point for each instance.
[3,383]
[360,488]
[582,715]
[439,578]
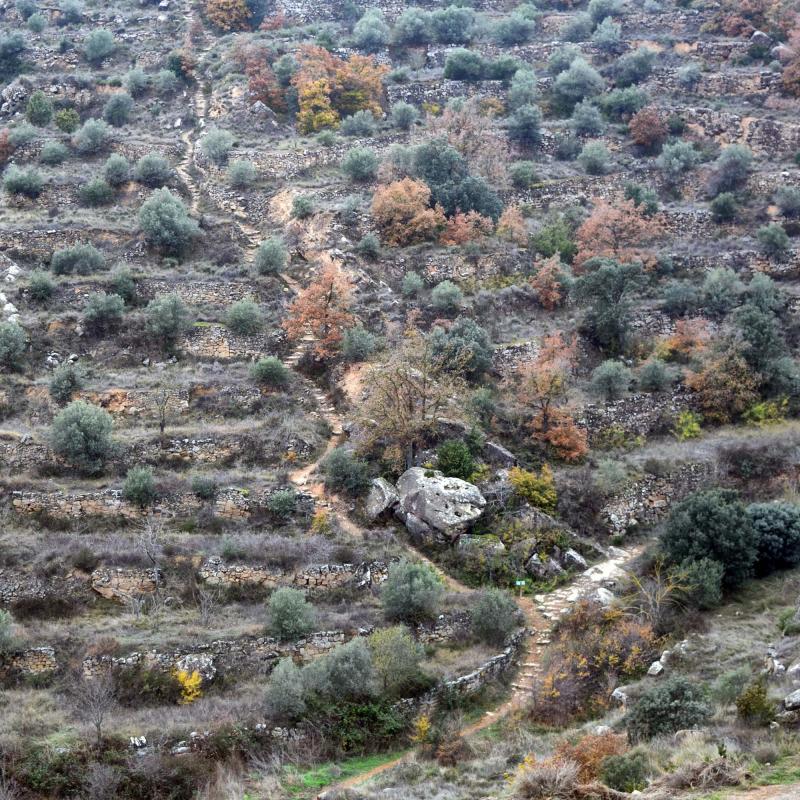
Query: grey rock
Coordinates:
[542,570]
[656,669]
[603,596]
[381,498]
[620,696]
[760,38]
[448,505]
[792,701]
[572,558]
[497,454]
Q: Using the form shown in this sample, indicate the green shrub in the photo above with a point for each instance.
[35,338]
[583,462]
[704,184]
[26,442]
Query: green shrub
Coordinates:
[302,207]
[586,119]
[453,25]
[753,706]
[67,120]
[242,174]
[26,8]
[344,472]
[513,30]
[674,705]
[731,169]
[165,222]
[282,504]
[721,291]
[578,82]
[67,379]
[627,772]
[53,153]
[26,182]
[524,89]
[412,284]
[360,164]
[71,12]
[773,239]
[494,616]
[167,319]
[103,312]
[116,170]
[411,592]
[611,380]
[117,109]
[271,256]
[729,685]
[12,345]
[634,67]
[7,638]
[608,36]
[98,46]
[289,614]
[40,286]
[37,23]
[79,259]
[404,115]
[703,582]
[594,158]
[81,435]
[413,27]
[712,524]
[654,376]
[371,33]
[216,145]
[524,126]
[396,657]
[454,459]
[286,692]
[724,207]
[362,123]
[12,48]
[136,82]
[787,198]
[346,673]
[619,104]
[123,284]
[152,170]
[96,193]
[270,372]
[446,297]
[22,134]
[776,527]
[91,137]
[205,488]
[369,247]
[139,488]
[165,82]
[523,174]
[244,318]
[358,344]
[39,110]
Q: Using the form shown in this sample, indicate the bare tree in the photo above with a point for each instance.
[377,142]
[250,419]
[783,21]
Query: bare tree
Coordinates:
[162,401]
[207,605]
[102,782]
[93,698]
[8,789]
[150,539]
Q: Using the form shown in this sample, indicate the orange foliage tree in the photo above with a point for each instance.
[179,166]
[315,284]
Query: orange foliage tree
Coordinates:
[590,751]
[725,385]
[619,231]
[511,226]
[691,337]
[790,78]
[6,148]
[329,87]
[543,386]
[402,212]
[322,309]
[648,129]
[549,282]
[462,228]
[228,15]
[263,86]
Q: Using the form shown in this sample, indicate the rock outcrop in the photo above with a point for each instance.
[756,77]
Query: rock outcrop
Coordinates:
[433,505]
[382,497]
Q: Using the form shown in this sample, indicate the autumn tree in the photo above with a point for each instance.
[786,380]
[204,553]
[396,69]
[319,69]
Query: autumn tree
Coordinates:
[550,281]
[511,226]
[542,385]
[462,228]
[402,212]
[724,384]
[468,127]
[263,85]
[790,77]
[329,87]
[408,396]
[689,339]
[648,129]
[228,15]
[619,231]
[322,309]
[6,147]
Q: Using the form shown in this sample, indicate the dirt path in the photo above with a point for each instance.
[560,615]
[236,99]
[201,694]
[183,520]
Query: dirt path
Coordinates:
[540,613]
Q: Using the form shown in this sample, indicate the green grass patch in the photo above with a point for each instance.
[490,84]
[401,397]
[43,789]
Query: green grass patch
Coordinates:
[309,782]
[787,770]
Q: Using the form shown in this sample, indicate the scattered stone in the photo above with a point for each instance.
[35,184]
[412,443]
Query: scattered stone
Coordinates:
[542,570]
[656,668]
[572,558]
[382,498]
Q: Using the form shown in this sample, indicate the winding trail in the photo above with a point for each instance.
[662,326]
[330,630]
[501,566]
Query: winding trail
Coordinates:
[540,613]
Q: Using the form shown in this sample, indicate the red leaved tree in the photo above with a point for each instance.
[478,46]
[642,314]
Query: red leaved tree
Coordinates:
[402,212]
[322,309]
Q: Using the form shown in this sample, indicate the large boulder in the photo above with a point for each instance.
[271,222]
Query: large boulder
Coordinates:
[541,570]
[382,497]
[448,506]
[792,701]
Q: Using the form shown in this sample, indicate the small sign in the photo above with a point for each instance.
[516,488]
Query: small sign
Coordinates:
[519,583]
